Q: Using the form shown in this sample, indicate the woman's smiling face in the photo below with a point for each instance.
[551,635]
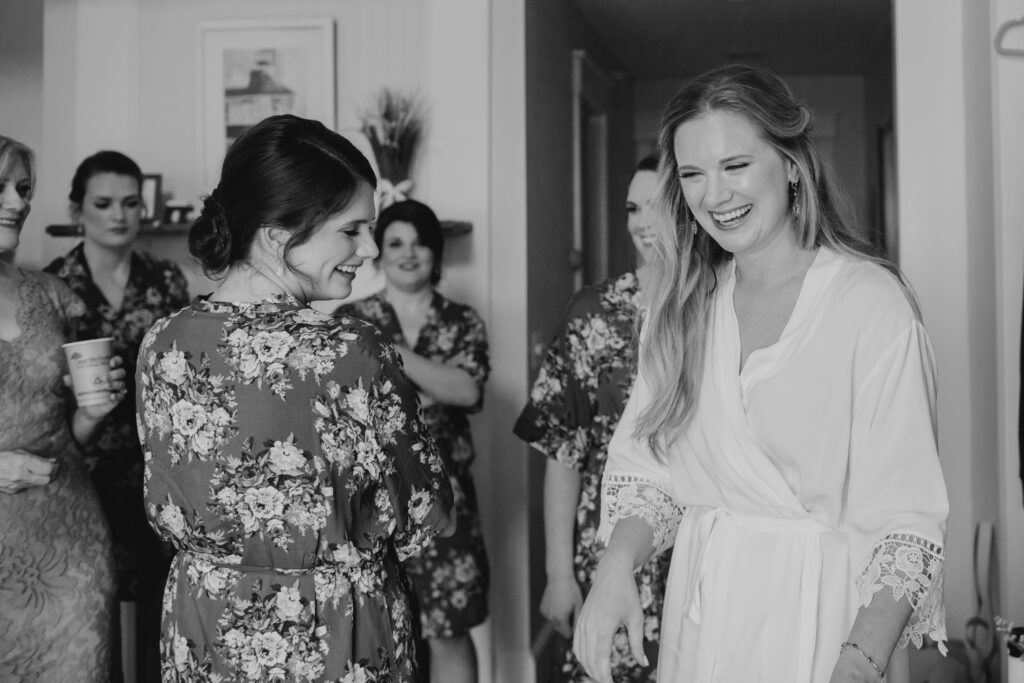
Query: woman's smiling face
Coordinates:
[327,263]
[15,203]
[735,183]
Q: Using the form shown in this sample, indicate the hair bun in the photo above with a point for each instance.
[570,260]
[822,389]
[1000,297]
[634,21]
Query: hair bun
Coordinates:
[209,239]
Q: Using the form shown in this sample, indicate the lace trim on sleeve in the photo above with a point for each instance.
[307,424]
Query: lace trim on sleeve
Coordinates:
[909,565]
[625,496]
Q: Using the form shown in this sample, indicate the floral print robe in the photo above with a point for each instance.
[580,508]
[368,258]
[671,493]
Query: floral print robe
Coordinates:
[577,398]
[286,463]
[155,288]
[451,575]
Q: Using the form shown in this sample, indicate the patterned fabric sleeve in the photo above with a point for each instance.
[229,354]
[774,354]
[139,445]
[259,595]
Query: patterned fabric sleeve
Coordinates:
[636,483]
[558,419]
[472,353]
[70,306]
[897,497]
[419,486]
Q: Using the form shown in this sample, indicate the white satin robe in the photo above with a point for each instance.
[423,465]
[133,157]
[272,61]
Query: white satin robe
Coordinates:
[803,484]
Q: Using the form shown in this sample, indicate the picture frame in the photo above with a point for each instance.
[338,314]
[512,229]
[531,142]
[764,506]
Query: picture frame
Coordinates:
[248,70]
[152,197]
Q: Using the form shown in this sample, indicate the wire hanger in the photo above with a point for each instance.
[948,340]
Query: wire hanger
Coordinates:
[1001,34]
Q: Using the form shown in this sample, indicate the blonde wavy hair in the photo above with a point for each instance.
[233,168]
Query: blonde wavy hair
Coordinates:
[11,150]
[686,274]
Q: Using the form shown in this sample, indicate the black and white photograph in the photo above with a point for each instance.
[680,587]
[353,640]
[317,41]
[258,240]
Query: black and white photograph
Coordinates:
[512,341]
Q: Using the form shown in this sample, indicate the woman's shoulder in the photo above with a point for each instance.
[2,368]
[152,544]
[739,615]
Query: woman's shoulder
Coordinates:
[153,264]
[868,293]
[614,294]
[454,310]
[370,308]
[68,266]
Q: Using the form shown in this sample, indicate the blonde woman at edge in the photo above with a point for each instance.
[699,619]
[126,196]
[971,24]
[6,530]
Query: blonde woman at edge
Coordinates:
[782,430]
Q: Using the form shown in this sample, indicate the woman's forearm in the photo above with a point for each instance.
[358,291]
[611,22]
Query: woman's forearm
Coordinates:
[874,635]
[83,426]
[561,497]
[631,542]
[446,384]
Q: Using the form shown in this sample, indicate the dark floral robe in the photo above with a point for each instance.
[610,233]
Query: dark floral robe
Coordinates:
[451,576]
[156,288]
[575,404]
[286,462]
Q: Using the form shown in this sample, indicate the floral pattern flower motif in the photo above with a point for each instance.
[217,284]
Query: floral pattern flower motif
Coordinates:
[288,515]
[268,353]
[272,492]
[192,406]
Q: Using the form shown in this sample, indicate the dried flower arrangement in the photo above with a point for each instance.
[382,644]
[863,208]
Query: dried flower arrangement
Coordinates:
[394,128]
[1014,636]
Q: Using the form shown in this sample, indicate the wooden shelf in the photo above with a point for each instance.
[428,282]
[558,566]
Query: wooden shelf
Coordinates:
[147,230]
[449,228]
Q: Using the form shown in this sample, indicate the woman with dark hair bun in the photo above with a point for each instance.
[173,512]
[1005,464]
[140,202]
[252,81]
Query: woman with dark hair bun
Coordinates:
[444,348]
[285,459]
[125,291]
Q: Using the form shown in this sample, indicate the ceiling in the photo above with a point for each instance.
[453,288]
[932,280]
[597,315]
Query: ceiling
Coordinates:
[669,38]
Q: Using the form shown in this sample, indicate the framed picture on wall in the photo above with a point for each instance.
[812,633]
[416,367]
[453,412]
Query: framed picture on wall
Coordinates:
[249,70]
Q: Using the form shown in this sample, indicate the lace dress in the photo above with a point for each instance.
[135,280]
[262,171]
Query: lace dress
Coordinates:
[805,483]
[575,403]
[286,463]
[56,566]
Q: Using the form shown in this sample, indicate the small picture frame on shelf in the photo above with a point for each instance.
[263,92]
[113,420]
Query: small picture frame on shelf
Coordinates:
[152,196]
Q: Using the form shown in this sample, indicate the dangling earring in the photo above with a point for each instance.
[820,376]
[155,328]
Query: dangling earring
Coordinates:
[693,227]
[794,188]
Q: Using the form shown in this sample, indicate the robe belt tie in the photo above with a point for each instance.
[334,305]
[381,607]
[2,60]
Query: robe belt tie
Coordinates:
[206,562]
[718,533]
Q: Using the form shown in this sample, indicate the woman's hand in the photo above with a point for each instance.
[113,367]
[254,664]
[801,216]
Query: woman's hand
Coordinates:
[852,667]
[87,418]
[613,600]
[20,470]
[561,603]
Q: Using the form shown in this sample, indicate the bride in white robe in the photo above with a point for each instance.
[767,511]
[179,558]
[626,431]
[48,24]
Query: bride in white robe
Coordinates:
[803,494]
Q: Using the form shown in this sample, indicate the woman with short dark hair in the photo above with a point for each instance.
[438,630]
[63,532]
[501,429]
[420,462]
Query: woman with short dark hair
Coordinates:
[443,345]
[285,459]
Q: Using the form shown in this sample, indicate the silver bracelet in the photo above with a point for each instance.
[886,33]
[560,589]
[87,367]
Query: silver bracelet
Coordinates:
[865,655]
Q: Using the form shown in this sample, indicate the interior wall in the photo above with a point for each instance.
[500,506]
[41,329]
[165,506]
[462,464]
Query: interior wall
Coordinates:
[1008,141]
[21,72]
[21,82]
[946,248]
[838,103]
[504,474]
[553,30]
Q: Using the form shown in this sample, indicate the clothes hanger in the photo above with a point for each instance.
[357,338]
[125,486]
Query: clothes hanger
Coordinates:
[1001,34]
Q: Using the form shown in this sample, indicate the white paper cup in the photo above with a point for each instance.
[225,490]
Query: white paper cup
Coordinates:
[89,363]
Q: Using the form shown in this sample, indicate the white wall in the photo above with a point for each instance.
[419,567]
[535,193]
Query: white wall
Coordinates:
[21,71]
[1008,138]
[838,105]
[962,251]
